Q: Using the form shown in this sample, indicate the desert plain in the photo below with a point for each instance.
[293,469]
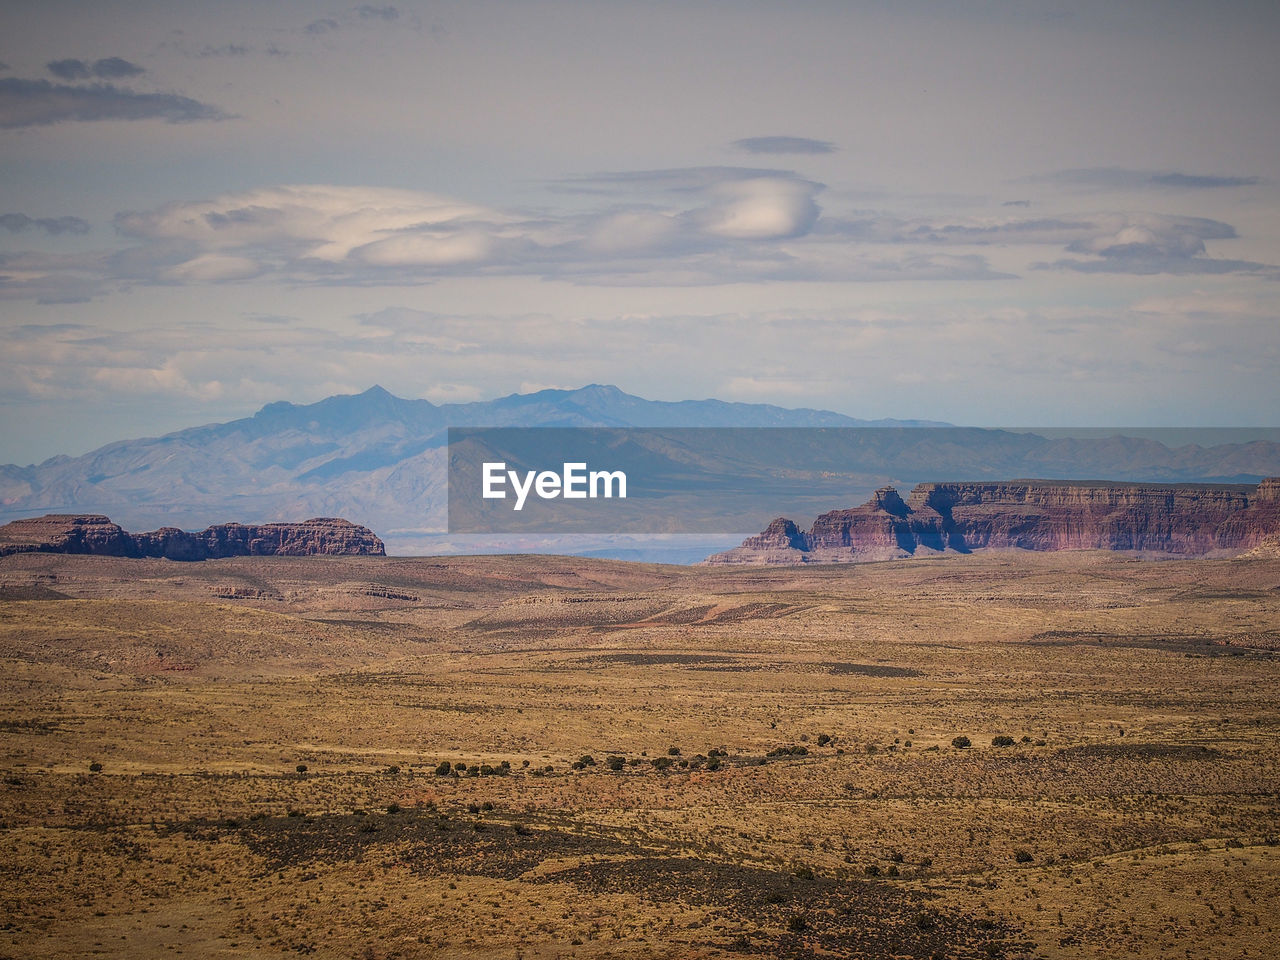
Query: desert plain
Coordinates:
[547,757]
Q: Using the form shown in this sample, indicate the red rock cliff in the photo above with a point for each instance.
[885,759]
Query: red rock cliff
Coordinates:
[59,533]
[1182,519]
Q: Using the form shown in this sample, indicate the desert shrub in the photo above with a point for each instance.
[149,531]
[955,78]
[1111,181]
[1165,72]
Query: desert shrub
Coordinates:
[444,769]
[962,743]
[486,770]
[460,767]
[797,923]
[791,751]
[673,751]
[393,808]
[95,767]
[1026,739]
[487,805]
[615,763]
[897,857]
[393,769]
[301,768]
[1023,856]
[294,813]
[892,871]
[804,872]
[925,920]
[871,870]
[713,763]
[1002,741]
[662,763]
[473,808]
[823,739]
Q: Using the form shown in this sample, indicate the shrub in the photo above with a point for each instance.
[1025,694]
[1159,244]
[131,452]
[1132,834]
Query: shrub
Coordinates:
[962,743]
[1002,741]
[444,769]
[393,769]
[797,923]
[823,739]
[871,870]
[713,763]
[95,767]
[1023,856]
[925,920]
[673,751]
[615,763]
[301,768]
[662,763]
[460,767]
[393,808]
[486,770]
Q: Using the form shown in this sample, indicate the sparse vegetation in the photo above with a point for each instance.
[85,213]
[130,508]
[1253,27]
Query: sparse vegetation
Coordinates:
[1086,846]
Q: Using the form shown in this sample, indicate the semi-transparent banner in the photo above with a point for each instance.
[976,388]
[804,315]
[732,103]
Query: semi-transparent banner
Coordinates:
[721,480]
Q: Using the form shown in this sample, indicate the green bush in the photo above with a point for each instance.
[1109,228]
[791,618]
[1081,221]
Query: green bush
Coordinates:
[444,769]
[962,743]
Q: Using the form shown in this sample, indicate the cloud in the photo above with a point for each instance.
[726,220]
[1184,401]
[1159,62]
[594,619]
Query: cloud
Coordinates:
[1116,178]
[364,14]
[116,68]
[31,103]
[784,145]
[764,208]
[1145,244]
[54,226]
[108,68]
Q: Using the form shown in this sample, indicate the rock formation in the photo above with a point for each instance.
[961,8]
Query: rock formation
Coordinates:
[1186,519]
[96,534]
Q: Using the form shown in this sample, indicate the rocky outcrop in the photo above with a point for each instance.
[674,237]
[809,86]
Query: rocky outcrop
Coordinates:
[96,534]
[1185,519]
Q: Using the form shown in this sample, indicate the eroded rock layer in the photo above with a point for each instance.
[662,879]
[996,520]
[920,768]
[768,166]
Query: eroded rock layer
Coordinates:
[1183,519]
[96,534]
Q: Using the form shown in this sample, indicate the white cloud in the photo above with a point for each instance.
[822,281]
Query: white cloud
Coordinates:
[765,208]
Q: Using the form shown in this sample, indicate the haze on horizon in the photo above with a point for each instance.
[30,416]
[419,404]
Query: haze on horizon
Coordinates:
[1055,213]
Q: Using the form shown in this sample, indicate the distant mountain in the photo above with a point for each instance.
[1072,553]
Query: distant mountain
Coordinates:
[379,460]
[371,456]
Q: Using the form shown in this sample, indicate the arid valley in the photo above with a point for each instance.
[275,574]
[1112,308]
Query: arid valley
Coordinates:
[543,757]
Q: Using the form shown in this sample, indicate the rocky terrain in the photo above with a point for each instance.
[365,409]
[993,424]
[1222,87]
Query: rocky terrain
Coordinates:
[380,460]
[96,534]
[1185,519]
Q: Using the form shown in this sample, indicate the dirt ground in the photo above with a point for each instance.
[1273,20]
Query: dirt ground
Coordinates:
[536,757]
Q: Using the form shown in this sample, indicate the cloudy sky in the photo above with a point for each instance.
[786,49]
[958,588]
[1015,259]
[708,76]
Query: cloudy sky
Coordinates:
[1055,213]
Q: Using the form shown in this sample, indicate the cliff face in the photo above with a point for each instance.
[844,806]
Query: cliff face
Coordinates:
[1031,515]
[94,534]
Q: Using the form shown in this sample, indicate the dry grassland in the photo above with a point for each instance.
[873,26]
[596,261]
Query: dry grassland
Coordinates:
[269,733]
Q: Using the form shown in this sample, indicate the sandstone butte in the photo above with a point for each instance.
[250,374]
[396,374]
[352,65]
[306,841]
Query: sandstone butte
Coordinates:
[1171,518]
[96,534]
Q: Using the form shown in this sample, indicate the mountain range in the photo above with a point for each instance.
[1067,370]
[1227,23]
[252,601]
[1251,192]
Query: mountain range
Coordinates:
[380,460]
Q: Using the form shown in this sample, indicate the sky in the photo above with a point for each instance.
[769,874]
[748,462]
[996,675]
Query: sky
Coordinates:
[988,213]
